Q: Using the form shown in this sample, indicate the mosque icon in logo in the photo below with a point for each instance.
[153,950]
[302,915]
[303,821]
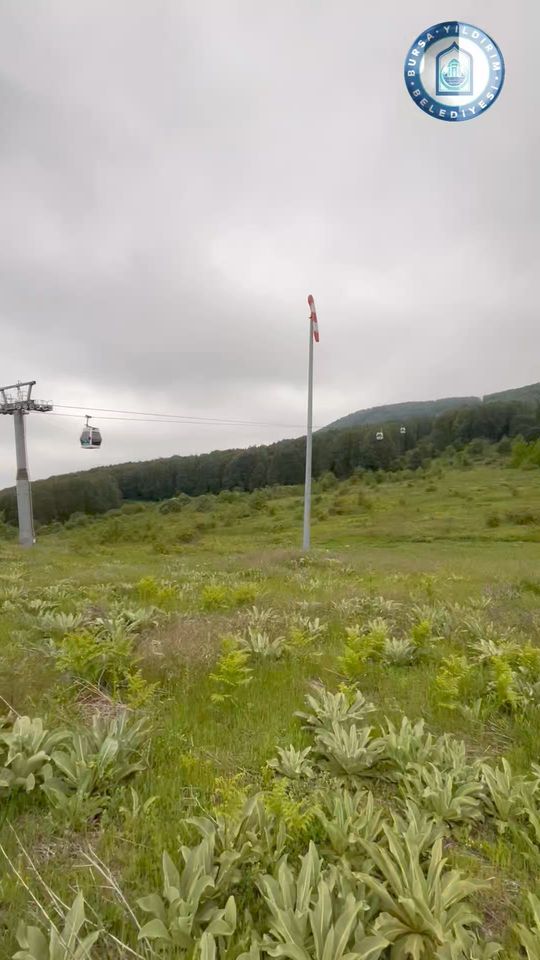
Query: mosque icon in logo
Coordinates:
[454,72]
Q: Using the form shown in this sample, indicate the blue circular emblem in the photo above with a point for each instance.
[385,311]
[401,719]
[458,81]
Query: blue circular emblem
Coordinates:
[454,71]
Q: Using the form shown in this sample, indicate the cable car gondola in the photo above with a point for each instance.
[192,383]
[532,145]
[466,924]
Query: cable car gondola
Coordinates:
[90,437]
[379,435]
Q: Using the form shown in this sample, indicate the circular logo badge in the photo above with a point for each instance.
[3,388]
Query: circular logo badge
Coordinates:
[454,71]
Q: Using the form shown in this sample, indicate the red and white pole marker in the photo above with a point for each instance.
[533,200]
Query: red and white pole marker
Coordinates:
[313,318]
[313,336]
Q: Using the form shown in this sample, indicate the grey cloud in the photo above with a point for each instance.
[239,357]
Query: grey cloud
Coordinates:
[175,177]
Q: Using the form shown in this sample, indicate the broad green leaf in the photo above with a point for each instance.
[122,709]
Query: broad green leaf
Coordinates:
[321,918]
[154,930]
[170,873]
[34,941]
[345,925]
[82,951]
[207,947]
[153,904]
[74,921]
[224,923]
[107,752]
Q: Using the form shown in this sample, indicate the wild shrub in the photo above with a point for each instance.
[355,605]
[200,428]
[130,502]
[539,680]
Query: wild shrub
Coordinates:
[305,631]
[292,763]
[258,643]
[223,597]
[444,795]
[184,534]
[258,499]
[419,826]
[347,817]
[74,768]
[261,617]
[77,519]
[231,672]
[110,664]
[227,496]
[186,910]
[246,834]
[529,936]
[433,620]
[291,805]
[526,659]
[159,545]
[349,753]
[423,634]
[503,689]
[92,762]
[57,623]
[243,594]
[425,909]
[407,745]
[130,509]
[346,707]
[104,654]
[352,662]
[361,646]
[152,592]
[455,682]
[26,748]
[65,944]
[399,652]
[522,518]
[170,506]
[138,692]
[504,793]
[112,531]
[310,916]
[327,481]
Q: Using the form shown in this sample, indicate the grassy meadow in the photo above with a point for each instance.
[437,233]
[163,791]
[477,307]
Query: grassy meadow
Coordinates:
[162,653]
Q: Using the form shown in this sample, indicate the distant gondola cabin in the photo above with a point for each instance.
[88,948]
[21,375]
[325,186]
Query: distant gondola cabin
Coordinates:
[90,437]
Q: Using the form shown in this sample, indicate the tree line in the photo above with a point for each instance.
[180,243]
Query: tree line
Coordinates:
[340,452]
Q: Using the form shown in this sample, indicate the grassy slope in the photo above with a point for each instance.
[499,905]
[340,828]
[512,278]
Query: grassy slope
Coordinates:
[459,535]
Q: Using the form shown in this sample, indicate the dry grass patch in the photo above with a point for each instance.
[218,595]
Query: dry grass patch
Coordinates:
[188,640]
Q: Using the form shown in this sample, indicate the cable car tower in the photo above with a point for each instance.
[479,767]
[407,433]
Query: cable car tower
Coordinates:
[16,401]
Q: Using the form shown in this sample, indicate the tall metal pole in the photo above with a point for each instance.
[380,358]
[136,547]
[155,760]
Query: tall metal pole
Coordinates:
[24,493]
[309,445]
[16,401]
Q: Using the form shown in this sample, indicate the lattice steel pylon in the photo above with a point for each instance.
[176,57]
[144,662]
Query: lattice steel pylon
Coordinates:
[16,401]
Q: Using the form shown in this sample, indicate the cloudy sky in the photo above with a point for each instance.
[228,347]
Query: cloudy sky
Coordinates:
[176,177]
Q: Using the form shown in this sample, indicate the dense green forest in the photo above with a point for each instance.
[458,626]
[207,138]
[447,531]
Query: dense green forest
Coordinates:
[339,451]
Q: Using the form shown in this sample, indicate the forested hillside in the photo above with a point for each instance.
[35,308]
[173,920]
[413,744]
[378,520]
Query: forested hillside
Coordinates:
[339,451]
[529,394]
[401,411]
[431,408]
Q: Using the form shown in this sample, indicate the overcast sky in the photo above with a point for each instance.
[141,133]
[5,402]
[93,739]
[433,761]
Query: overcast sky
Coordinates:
[176,177]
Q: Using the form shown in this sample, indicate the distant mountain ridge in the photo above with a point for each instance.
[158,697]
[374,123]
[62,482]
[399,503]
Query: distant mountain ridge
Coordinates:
[401,411]
[430,408]
[528,394]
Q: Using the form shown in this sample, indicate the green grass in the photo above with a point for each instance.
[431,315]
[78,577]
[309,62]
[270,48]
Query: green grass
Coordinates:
[425,539]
